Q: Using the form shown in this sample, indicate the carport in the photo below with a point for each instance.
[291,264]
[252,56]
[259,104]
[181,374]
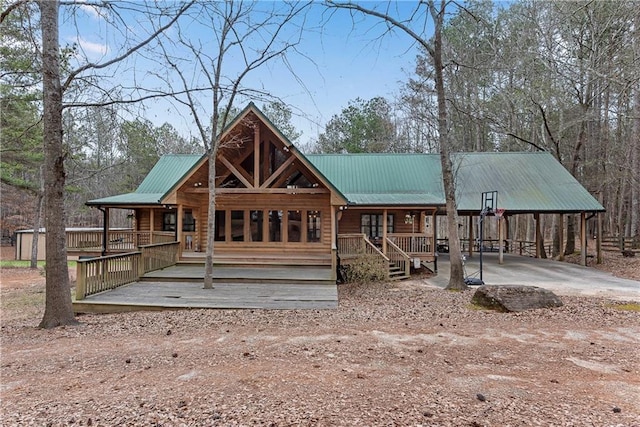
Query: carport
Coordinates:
[526,183]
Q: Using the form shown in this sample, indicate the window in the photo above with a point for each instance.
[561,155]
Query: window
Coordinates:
[294,222]
[237,226]
[371,224]
[314,221]
[256,225]
[220,226]
[188,221]
[275,226]
[169,221]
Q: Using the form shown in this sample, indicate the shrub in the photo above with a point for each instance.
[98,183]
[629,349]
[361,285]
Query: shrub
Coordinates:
[365,268]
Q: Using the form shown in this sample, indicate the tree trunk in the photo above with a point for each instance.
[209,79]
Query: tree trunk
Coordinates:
[36,230]
[456,277]
[570,247]
[58,307]
[211,221]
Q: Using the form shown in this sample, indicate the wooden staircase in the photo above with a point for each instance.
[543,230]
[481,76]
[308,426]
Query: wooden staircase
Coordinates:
[396,273]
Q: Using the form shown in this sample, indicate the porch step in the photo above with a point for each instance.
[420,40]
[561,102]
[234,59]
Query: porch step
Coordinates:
[396,273]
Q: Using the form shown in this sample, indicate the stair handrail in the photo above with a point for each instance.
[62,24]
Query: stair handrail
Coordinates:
[399,257]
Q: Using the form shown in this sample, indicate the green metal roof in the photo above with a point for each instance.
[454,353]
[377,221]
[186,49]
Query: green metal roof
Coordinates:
[162,178]
[526,182]
[384,179]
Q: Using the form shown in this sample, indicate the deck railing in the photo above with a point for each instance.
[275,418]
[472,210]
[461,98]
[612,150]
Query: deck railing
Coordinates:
[104,273]
[398,257]
[159,255]
[354,245]
[412,243]
[117,240]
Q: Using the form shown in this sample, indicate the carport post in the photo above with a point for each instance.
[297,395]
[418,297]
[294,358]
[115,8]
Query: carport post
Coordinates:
[583,238]
[500,241]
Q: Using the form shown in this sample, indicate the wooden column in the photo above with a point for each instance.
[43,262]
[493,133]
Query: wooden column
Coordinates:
[583,238]
[471,235]
[105,232]
[334,242]
[384,231]
[536,218]
[599,233]
[500,239]
[179,234]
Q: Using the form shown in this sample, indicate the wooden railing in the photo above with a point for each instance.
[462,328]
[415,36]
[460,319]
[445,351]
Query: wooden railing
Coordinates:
[398,257]
[159,255]
[108,272]
[353,245]
[356,244]
[117,240]
[104,273]
[412,243]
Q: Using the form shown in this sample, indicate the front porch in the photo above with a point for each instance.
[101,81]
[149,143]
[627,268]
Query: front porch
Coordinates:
[181,287]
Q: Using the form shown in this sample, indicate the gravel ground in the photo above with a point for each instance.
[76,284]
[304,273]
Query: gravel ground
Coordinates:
[391,354]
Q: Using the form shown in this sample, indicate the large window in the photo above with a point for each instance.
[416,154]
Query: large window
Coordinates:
[188,221]
[256,225]
[220,226]
[169,221]
[294,223]
[237,226]
[371,224]
[275,226]
[314,228]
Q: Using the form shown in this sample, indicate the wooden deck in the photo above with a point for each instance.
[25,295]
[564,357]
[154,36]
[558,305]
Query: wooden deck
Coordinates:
[181,287]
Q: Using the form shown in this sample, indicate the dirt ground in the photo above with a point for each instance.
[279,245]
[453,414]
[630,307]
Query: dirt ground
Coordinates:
[391,354]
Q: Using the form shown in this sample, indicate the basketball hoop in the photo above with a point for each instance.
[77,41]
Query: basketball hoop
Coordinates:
[499,213]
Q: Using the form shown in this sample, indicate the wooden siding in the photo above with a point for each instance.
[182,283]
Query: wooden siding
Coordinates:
[350,221]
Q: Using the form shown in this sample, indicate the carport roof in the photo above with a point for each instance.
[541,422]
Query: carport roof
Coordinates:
[526,182]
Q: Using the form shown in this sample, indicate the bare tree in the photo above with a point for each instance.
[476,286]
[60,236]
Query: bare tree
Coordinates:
[434,47]
[247,36]
[58,307]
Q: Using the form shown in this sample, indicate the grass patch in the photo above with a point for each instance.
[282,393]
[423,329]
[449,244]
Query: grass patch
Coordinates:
[25,264]
[631,306]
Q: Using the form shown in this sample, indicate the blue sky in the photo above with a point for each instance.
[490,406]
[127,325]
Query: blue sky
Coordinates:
[339,63]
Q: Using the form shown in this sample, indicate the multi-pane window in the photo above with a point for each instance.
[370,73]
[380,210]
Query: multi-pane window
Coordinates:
[294,223]
[372,224]
[169,221]
[268,226]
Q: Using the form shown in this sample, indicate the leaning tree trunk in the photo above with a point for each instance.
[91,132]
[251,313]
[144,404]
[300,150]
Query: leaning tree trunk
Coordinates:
[58,307]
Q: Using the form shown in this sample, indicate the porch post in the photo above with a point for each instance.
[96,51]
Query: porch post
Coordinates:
[152,221]
[561,236]
[599,232]
[471,236]
[334,242]
[384,231]
[536,217]
[105,231]
[179,238]
[500,241]
[583,238]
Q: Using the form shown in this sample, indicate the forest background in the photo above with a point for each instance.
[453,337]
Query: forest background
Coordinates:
[520,76]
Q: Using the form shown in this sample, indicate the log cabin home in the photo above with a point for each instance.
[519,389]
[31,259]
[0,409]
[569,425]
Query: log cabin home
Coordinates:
[275,205]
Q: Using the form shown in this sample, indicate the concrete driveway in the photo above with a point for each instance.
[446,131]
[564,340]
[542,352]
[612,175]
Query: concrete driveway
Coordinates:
[560,277]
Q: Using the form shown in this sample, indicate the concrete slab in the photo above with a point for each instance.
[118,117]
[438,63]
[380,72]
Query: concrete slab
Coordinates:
[560,277]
